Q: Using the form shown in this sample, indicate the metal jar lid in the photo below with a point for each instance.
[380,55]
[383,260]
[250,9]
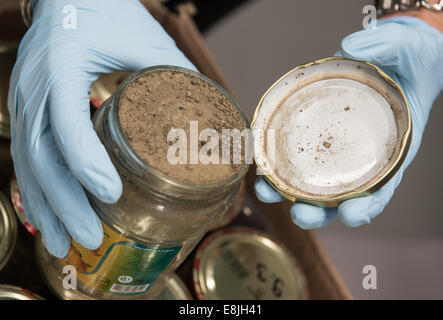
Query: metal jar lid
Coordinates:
[8,230]
[331,130]
[175,289]
[8,52]
[8,292]
[241,263]
[18,206]
[104,87]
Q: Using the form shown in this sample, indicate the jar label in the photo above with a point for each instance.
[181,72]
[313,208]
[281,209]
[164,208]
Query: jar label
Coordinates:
[119,265]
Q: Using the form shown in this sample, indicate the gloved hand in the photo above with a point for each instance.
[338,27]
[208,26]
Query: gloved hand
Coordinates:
[409,51]
[55,149]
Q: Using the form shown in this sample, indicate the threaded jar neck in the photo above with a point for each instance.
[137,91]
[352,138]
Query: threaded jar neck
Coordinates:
[130,164]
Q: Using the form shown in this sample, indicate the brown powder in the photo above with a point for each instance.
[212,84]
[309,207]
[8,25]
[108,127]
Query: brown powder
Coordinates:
[159,101]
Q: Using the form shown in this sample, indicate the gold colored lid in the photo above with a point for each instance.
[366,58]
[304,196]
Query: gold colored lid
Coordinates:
[241,263]
[331,130]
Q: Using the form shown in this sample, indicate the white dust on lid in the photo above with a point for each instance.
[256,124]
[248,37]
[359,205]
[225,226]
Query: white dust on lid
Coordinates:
[331,136]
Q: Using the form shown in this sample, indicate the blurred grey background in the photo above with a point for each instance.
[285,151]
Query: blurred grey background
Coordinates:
[262,40]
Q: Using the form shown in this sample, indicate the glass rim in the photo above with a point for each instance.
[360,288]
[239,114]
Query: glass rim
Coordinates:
[145,166]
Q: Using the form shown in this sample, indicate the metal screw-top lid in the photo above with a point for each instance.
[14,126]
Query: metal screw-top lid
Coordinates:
[8,230]
[331,130]
[8,292]
[8,53]
[241,263]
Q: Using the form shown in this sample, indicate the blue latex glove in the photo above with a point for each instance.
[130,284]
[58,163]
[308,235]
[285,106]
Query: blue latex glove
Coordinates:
[55,149]
[408,50]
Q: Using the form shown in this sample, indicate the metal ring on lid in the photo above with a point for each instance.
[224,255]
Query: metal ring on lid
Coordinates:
[241,263]
[8,230]
[331,130]
[8,292]
[26,11]
[18,206]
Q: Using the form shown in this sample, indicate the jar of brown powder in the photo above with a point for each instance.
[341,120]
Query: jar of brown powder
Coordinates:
[165,209]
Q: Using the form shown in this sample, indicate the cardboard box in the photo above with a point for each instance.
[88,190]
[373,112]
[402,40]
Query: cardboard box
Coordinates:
[324,280]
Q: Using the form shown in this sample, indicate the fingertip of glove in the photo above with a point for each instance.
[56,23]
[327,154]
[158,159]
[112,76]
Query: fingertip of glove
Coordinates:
[348,47]
[57,247]
[310,217]
[102,181]
[359,211]
[265,192]
[109,192]
[299,218]
[89,235]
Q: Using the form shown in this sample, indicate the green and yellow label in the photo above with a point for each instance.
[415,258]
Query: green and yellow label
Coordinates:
[119,265]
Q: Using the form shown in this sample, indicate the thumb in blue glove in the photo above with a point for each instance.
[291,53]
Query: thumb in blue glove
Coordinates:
[408,50]
[55,149]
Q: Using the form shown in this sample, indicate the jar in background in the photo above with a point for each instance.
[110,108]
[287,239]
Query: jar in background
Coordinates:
[104,86]
[242,263]
[8,52]
[8,230]
[16,200]
[155,224]
[8,292]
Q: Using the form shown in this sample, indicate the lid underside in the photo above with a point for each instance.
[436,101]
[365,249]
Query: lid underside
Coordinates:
[329,129]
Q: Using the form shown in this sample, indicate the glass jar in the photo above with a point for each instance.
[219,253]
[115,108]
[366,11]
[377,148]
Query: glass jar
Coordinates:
[155,224]
[8,52]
